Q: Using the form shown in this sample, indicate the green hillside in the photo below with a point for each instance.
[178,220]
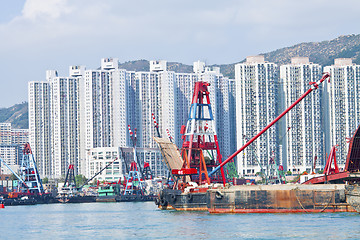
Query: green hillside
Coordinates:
[17,115]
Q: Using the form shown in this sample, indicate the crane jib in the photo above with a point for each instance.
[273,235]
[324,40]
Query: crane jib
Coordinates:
[314,85]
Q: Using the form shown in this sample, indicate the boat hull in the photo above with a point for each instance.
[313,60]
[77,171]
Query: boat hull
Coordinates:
[76,199]
[18,201]
[262,199]
[106,198]
[135,198]
[194,201]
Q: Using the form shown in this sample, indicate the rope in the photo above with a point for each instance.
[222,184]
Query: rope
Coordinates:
[322,210]
[297,198]
[328,202]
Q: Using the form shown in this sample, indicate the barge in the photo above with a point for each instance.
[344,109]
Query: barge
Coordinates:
[189,165]
[289,198]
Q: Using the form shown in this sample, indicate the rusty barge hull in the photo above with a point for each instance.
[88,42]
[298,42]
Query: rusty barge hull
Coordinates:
[195,201]
[279,199]
[291,198]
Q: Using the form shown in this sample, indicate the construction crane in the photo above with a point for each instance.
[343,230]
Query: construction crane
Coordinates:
[70,177]
[313,86]
[195,143]
[28,175]
[134,184]
[133,137]
[99,172]
[169,136]
[156,125]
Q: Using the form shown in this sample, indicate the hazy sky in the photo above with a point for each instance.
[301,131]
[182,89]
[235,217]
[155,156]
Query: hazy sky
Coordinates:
[37,35]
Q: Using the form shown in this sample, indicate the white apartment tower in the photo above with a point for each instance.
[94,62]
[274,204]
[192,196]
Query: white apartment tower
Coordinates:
[40,125]
[344,104]
[54,126]
[256,105]
[91,109]
[65,115]
[303,133]
[169,108]
[149,94]
[105,108]
[184,90]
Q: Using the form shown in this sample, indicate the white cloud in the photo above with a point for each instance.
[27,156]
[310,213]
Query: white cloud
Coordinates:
[58,33]
[34,9]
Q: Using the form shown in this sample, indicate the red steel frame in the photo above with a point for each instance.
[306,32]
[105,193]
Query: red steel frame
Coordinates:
[201,94]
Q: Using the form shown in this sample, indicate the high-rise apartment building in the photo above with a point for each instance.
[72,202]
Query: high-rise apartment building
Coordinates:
[344,104]
[91,109]
[65,124]
[256,106]
[40,136]
[104,105]
[303,133]
[54,115]
[149,102]
[184,90]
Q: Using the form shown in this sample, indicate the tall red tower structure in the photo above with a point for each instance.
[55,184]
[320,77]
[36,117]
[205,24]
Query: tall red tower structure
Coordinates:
[200,149]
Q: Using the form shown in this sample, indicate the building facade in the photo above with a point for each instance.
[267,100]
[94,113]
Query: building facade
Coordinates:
[92,109]
[11,146]
[65,124]
[344,105]
[256,106]
[303,133]
[40,137]
[98,158]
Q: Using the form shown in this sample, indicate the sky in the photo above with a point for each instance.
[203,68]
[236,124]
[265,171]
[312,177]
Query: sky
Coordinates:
[39,35]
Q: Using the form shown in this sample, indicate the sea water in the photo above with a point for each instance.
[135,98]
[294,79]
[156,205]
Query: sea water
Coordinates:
[143,220]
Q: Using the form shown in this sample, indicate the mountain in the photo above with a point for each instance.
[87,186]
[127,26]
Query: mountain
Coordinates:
[143,65]
[17,115]
[322,53]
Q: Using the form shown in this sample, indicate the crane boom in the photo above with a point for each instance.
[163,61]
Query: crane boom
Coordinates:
[313,85]
[17,176]
[98,172]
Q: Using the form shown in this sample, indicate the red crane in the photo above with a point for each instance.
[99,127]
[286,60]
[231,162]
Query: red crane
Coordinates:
[313,85]
[198,135]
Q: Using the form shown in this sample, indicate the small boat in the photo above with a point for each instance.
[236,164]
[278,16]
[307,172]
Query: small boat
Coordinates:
[25,200]
[72,195]
[108,193]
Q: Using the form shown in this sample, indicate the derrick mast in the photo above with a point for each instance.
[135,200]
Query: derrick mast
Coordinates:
[200,149]
[134,184]
[29,173]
